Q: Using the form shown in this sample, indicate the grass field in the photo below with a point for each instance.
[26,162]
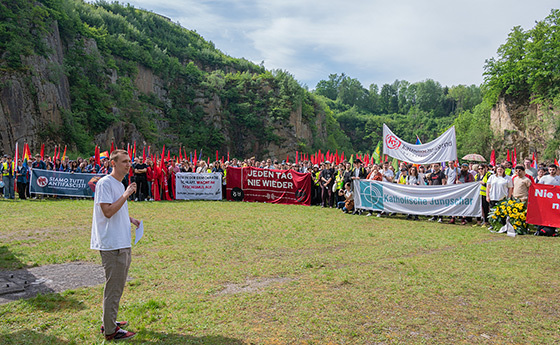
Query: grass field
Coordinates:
[250,273]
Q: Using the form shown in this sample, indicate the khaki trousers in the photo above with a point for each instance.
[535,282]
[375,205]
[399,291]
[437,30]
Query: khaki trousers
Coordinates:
[116,264]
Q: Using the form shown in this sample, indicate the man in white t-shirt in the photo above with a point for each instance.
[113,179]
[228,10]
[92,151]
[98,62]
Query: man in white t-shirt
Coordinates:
[552,178]
[110,234]
[451,173]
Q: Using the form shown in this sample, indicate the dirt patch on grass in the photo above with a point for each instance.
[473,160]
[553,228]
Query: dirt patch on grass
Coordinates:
[28,283]
[39,234]
[252,285]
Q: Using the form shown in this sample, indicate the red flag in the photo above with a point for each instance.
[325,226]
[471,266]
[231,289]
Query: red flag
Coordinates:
[180,154]
[493,158]
[208,161]
[54,155]
[227,155]
[287,158]
[535,165]
[195,160]
[16,156]
[162,156]
[144,154]
[169,155]
[42,151]
[64,154]
[112,147]
[297,156]
[217,155]
[514,157]
[97,155]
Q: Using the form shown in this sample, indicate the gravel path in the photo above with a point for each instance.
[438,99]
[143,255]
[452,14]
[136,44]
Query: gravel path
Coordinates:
[48,279]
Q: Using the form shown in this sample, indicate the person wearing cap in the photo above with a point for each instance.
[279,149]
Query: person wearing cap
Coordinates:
[521,184]
[358,172]
[8,177]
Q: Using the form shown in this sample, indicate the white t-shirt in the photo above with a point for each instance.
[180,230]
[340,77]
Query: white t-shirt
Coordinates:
[499,187]
[110,233]
[548,179]
[387,173]
[451,175]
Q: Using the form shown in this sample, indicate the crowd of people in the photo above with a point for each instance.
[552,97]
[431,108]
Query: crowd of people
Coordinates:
[331,182]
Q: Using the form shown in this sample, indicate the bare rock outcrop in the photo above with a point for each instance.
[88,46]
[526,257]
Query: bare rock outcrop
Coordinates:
[33,98]
[525,125]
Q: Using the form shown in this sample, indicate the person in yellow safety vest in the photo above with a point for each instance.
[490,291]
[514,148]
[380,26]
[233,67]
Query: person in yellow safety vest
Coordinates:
[8,178]
[316,187]
[481,177]
[339,182]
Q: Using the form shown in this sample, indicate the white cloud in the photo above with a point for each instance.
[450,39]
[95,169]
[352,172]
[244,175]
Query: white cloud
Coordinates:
[373,41]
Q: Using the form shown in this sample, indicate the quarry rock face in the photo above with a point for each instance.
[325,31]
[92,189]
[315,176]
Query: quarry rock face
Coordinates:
[523,125]
[34,99]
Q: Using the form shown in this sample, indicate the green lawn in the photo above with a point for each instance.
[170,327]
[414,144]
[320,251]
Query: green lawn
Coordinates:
[250,273]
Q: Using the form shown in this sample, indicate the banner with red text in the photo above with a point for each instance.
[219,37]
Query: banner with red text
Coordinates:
[61,183]
[442,149]
[543,206]
[192,186]
[267,185]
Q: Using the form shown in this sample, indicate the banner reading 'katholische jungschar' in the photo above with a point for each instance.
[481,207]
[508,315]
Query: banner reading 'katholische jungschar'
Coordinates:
[442,149]
[191,186]
[448,200]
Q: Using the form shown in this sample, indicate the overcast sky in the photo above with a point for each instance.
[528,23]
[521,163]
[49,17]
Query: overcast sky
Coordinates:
[373,41]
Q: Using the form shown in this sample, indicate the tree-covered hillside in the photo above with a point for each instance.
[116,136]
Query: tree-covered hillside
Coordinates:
[525,75]
[109,48]
[136,74]
[424,109]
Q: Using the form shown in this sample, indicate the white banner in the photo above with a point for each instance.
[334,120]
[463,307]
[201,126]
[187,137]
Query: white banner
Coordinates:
[448,200]
[192,186]
[443,149]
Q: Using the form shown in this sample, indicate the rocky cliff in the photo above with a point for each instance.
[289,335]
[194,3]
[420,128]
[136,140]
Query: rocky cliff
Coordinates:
[33,98]
[524,125]
[79,83]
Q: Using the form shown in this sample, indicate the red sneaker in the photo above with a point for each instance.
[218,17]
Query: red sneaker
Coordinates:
[119,324]
[120,334]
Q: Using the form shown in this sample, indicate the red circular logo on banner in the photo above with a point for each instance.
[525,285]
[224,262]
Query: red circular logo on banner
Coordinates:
[392,142]
[42,181]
